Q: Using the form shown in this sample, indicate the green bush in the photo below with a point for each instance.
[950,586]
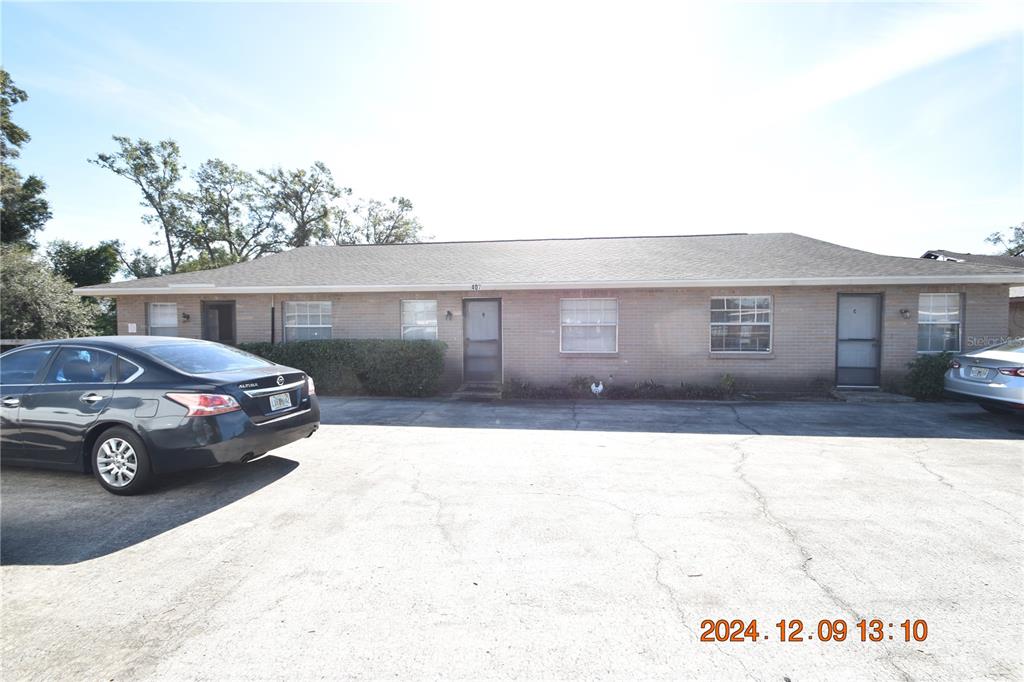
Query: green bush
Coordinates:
[699,392]
[641,390]
[727,385]
[373,366]
[924,380]
[579,386]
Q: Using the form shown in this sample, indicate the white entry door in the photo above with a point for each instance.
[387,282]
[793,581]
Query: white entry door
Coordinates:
[859,340]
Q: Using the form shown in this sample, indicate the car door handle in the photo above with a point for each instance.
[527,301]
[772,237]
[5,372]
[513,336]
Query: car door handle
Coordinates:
[11,402]
[91,398]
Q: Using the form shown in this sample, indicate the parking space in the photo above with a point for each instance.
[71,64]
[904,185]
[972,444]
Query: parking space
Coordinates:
[431,538]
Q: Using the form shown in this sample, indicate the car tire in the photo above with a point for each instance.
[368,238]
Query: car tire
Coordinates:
[120,462]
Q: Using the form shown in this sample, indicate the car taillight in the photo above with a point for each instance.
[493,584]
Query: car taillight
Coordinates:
[310,386]
[954,364]
[1012,371]
[205,404]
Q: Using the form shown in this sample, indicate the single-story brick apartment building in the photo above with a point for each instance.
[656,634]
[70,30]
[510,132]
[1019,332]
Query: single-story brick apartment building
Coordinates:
[770,309]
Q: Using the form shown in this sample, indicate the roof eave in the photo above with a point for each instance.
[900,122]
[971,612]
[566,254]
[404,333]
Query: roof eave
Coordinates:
[1002,279]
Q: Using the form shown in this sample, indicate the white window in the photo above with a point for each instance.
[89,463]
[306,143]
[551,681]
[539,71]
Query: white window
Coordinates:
[307,320]
[163,319]
[938,323]
[419,320]
[741,324]
[590,325]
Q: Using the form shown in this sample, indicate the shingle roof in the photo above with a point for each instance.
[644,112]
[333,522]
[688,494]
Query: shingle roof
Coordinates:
[1005,261]
[699,260]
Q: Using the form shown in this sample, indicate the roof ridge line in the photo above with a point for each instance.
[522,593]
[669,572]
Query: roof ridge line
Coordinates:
[551,239]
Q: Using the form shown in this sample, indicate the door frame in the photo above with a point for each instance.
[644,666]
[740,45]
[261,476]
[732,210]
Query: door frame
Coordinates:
[501,335]
[880,296]
[204,305]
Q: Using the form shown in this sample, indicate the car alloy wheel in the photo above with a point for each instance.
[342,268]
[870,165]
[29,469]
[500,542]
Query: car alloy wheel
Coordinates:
[117,462]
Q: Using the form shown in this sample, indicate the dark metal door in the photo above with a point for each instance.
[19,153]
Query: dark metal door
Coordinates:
[858,339]
[219,321]
[481,359]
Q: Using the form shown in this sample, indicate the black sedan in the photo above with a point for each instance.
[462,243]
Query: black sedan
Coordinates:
[127,408]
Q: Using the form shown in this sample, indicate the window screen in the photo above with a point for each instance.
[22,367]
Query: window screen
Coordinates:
[590,325]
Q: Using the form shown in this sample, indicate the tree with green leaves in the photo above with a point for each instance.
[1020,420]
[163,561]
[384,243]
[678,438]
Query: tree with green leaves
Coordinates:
[139,264]
[377,222]
[87,265]
[36,302]
[12,136]
[84,265]
[1011,243]
[235,218]
[156,169]
[305,199]
[23,210]
[231,215]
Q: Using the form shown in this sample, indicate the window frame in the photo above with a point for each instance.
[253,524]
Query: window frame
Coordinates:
[111,377]
[401,317]
[961,312]
[134,375]
[770,324]
[149,318]
[284,319]
[42,370]
[562,325]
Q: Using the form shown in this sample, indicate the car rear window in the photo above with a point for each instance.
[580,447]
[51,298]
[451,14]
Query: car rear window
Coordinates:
[200,358]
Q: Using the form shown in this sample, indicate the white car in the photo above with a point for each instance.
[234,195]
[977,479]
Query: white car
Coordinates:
[993,376]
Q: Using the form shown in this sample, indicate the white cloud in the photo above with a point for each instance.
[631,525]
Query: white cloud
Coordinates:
[913,43]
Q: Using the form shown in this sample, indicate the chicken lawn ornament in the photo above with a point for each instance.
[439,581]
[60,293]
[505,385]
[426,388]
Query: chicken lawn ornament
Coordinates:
[596,389]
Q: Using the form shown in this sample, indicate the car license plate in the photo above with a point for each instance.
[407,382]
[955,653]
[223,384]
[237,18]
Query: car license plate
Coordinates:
[280,401]
[978,372]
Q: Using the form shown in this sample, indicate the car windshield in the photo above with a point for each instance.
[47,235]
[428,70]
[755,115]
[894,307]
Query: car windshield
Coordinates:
[1013,346]
[201,358]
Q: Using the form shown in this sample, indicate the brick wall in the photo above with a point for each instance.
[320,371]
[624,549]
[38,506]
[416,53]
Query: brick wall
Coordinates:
[663,333]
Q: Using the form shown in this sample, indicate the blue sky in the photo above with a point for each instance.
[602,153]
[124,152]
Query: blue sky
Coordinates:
[893,128]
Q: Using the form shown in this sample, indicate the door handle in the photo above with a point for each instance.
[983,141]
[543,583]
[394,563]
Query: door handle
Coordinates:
[91,398]
[11,402]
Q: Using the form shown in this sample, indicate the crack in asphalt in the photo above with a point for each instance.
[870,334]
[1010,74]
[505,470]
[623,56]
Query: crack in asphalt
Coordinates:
[789,532]
[438,523]
[739,420]
[670,591]
[575,418]
[803,551]
[944,481]
[660,560]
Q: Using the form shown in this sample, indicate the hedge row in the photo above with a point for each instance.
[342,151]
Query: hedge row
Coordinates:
[370,366]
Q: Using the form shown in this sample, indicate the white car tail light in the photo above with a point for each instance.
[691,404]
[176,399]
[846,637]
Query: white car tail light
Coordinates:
[310,386]
[205,404]
[1012,371]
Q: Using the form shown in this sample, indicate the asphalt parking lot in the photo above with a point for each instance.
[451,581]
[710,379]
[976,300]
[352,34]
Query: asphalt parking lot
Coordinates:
[435,539]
